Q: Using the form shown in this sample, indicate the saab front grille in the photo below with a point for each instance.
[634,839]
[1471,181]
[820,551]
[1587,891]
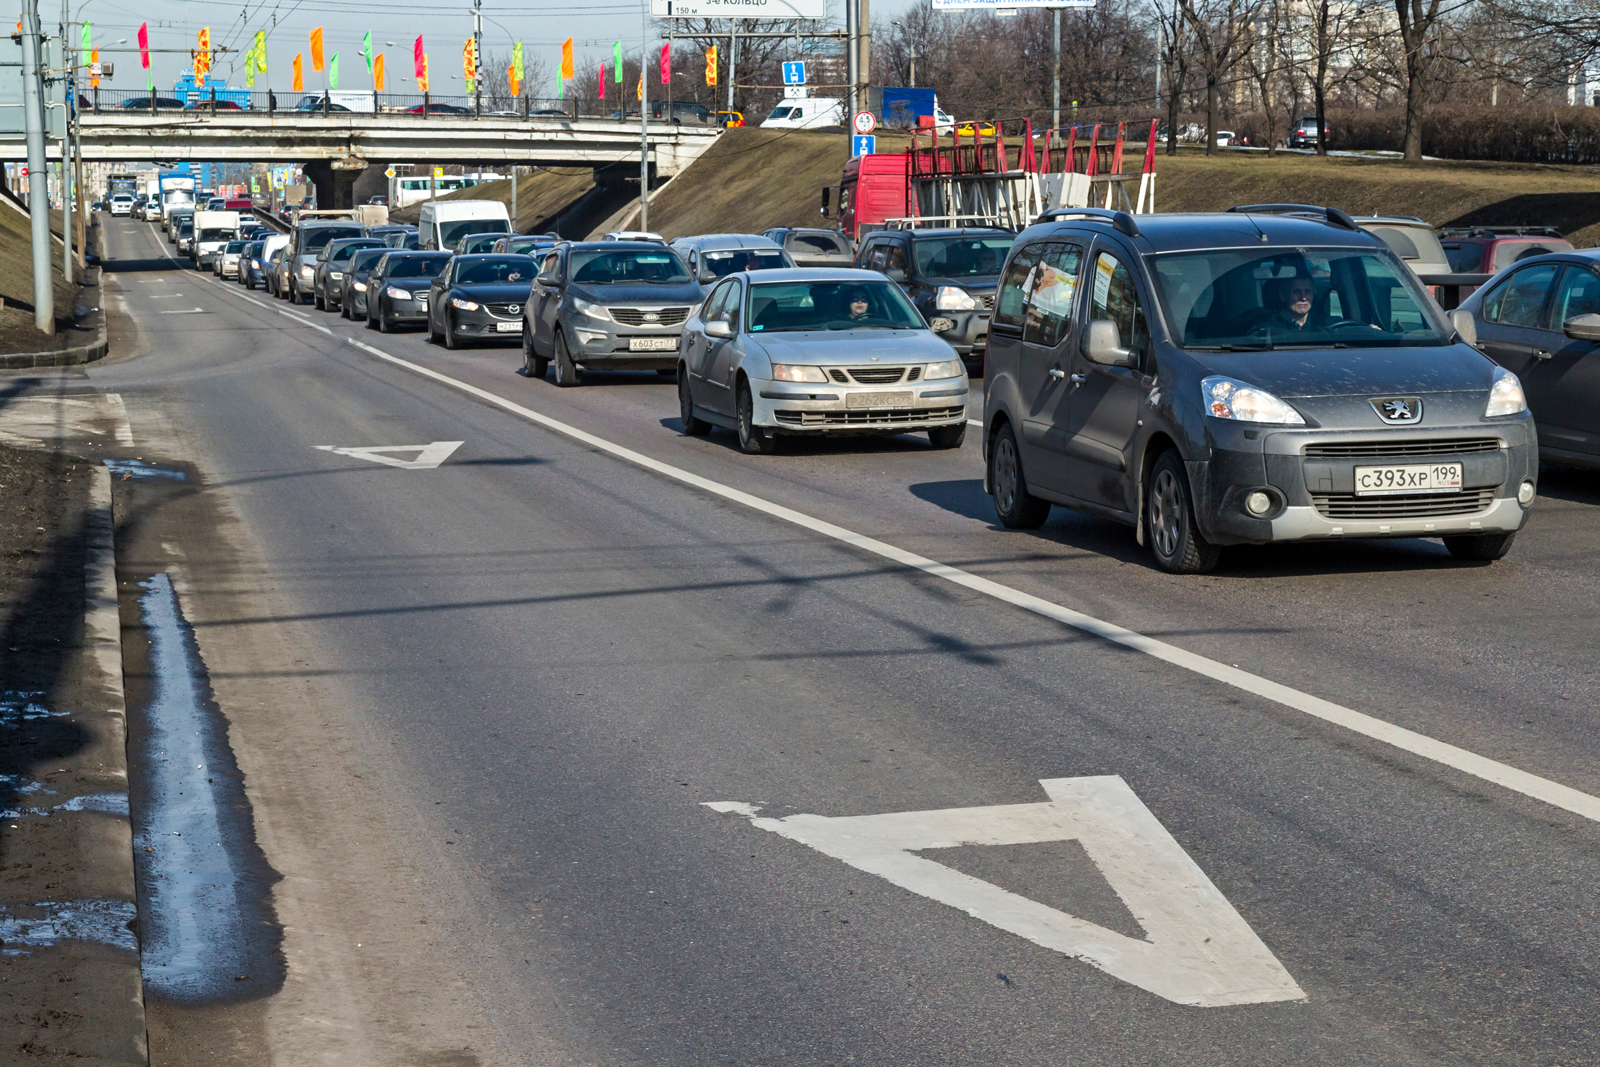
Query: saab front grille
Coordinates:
[873,375]
[867,416]
[637,316]
[1450,446]
[1417,506]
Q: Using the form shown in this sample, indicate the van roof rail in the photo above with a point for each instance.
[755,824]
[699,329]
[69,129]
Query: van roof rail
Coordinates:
[1120,221]
[1330,214]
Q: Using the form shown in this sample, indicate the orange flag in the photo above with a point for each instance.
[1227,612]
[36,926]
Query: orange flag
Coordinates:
[202,58]
[567,70]
[299,83]
[377,73]
[511,77]
[422,82]
[316,48]
[711,65]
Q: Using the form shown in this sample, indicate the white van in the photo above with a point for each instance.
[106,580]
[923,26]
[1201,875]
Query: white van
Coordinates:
[805,113]
[444,222]
[212,232]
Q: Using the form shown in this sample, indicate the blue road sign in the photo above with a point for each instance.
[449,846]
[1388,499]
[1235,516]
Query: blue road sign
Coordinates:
[794,74]
[863,144]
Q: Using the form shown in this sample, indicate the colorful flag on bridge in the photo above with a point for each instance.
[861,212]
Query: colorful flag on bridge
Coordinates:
[366,50]
[419,61]
[516,69]
[711,65]
[638,94]
[333,72]
[469,65]
[602,81]
[88,46]
[377,73]
[423,82]
[616,60]
[566,59]
[316,48]
[666,63]
[144,45]
[299,83]
[202,58]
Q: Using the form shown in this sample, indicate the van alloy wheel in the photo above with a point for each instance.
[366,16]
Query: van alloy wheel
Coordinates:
[1016,508]
[1178,545]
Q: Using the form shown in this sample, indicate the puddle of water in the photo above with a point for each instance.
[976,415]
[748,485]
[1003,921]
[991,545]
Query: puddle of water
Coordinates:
[44,924]
[202,881]
[18,707]
[138,468]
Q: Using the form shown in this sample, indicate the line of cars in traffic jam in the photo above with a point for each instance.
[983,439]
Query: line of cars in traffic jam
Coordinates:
[1272,373]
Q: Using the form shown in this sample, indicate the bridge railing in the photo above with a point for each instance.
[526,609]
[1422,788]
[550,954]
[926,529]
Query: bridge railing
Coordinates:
[338,104]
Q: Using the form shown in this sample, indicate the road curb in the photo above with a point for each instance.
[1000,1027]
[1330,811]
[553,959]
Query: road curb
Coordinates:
[68,357]
[103,639]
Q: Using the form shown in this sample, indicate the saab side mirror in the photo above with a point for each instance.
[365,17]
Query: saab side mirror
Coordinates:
[1582,327]
[826,196]
[718,328]
[1102,344]
[1466,326]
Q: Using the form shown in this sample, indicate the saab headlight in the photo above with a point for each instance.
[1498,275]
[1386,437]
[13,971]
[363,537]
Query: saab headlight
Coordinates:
[1505,395]
[594,311]
[954,298]
[790,372]
[465,305]
[1227,398]
[945,368]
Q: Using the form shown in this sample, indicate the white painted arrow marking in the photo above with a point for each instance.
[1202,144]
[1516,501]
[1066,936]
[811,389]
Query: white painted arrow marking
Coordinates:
[429,456]
[1197,950]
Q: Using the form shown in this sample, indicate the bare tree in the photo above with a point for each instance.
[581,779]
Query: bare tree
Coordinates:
[1261,60]
[1222,33]
[1419,26]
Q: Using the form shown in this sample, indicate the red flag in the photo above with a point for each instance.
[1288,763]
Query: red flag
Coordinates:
[666,63]
[602,81]
[144,45]
[417,55]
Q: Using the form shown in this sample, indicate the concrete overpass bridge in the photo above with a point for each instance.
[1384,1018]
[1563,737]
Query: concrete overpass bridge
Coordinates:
[335,149]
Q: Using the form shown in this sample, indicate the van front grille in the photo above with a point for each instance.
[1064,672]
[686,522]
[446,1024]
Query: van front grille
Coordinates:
[1446,446]
[1417,506]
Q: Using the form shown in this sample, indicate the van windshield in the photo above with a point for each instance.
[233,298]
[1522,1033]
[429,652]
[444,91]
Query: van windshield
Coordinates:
[451,232]
[1248,300]
[217,233]
[831,305]
[627,266]
[781,112]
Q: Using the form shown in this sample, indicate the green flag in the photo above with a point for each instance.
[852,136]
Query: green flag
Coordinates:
[366,50]
[261,51]
[516,60]
[561,85]
[333,71]
[87,46]
[616,60]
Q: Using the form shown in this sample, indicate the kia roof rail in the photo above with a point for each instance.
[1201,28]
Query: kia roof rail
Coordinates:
[1500,231]
[1120,221]
[1330,214]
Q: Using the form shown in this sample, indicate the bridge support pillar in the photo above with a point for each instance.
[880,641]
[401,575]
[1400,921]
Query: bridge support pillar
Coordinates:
[334,180]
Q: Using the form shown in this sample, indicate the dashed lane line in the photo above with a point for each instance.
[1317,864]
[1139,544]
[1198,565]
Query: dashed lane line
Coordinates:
[1467,762]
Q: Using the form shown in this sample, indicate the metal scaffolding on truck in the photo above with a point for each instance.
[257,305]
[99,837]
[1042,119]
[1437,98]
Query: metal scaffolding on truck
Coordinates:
[995,174]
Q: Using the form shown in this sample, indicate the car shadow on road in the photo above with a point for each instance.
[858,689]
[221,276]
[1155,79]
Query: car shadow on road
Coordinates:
[1576,485]
[804,445]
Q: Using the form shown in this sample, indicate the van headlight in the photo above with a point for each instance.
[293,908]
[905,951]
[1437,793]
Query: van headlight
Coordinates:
[1227,398]
[594,311]
[954,298]
[945,368]
[791,372]
[1505,395]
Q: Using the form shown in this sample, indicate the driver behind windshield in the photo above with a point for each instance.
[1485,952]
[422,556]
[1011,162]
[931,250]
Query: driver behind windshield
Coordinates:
[856,301]
[1295,298]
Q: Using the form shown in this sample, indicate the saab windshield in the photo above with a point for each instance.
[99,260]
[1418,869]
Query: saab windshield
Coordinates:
[849,305]
[1248,300]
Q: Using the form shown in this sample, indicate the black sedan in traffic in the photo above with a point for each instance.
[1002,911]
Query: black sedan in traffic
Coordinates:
[353,297]
[480,298]
[397,288]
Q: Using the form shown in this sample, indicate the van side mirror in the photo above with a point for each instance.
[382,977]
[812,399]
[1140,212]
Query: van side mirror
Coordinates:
[1582,327]
[1102,344]
[707,276]
[826,195]
[1467,328]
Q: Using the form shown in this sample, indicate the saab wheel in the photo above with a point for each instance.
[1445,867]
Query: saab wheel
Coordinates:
[1480,548]
[450,341]
[1017,508]
[948,436]
[692,426]
[567,372]
[752,438]
[1169,515]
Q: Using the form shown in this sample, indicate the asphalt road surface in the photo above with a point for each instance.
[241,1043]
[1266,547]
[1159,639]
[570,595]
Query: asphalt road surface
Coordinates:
[479,710]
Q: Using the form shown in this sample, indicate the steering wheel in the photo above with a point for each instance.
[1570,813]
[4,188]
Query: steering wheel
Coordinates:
[1342,324]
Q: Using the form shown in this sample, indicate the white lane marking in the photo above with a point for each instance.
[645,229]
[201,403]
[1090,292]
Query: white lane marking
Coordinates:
[1502,774]
[1197,948]
[123,429]
[975,422]
[429,456]
[186,311]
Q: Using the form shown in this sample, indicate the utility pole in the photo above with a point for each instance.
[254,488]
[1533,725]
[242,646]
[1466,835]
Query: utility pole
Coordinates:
[913,65]
[864,33]
[1055,78]
[44,312]
[477,55]
[733,62]
[68,99]
[852,57]
[644,115]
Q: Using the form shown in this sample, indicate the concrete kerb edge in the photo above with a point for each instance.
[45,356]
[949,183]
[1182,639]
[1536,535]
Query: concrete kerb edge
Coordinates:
[103,636]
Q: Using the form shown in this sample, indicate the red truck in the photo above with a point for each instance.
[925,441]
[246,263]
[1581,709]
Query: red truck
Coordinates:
[872,189]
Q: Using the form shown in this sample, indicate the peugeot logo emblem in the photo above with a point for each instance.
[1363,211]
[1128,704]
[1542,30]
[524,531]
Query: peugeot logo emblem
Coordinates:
[651,316]
[1397,409]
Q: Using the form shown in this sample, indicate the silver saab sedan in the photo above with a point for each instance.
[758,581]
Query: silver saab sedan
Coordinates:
[782,352]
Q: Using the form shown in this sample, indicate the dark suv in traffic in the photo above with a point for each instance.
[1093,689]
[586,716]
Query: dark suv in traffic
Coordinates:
[950,276]
[1245,378]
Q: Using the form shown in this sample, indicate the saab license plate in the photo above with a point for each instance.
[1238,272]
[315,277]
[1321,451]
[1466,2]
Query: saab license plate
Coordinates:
[1392,481]
[652,344]
[508,327]
[877,400]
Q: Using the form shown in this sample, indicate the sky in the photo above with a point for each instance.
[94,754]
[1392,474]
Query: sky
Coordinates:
[395,25]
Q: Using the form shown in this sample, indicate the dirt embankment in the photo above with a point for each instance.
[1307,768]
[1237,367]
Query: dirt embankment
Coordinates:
[542,197]
[17,331]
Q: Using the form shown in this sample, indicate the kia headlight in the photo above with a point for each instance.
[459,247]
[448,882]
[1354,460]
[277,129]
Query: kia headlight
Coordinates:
[790,372]
[594,311]
[954,298]
[945,368]
[1226,398]
[1505,395]
[465,305]
[335,274]
[397,294]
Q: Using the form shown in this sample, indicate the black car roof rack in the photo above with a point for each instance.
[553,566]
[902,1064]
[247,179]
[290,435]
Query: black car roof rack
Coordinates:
[1329,214]
[1501,231]
[1120,221]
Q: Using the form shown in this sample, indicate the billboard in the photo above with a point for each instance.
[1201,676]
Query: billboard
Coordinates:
[739,9]
[1012,5]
